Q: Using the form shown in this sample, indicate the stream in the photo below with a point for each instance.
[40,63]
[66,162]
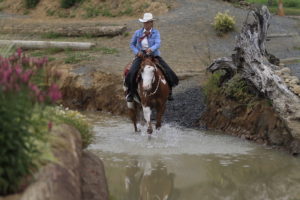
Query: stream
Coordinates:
[188,164]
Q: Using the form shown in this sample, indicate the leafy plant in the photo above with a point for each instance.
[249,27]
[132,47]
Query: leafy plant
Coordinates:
[91,12]
[75,119]
[68,3]
[31,3]
[223,23]
[22,124]
[238,89]
[212,86]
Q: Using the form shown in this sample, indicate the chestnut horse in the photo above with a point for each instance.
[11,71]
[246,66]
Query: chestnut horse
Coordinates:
[153,90]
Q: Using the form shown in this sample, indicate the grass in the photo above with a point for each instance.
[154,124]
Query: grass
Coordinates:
[106,50]
[73,58]
[50,35]
[46,52]
[287,11]
[291,7]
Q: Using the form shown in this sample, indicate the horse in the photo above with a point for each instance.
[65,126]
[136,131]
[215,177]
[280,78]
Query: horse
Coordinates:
[153,91]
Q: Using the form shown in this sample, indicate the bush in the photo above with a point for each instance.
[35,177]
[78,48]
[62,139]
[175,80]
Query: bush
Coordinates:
[23,127]
[212,86]
[75,119]
[68,3]
[223,23]
[31,3]
[238,89]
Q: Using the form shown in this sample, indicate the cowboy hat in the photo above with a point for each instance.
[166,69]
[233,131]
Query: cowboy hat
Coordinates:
[147,18]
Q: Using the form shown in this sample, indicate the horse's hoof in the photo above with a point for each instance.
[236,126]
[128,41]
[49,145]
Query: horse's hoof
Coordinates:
[158,127]
[149,131]
[138,130]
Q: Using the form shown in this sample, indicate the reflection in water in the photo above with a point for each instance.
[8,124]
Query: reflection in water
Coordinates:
[151,182]
[181,164]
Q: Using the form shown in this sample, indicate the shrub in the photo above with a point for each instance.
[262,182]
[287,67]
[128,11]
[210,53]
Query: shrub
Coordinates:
[68,3]
[212,86]
[238,89]
[76,120]
[223,23]
[31,3]
[22,124]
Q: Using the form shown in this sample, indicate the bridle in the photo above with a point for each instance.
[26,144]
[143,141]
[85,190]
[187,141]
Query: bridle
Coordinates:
[153,80]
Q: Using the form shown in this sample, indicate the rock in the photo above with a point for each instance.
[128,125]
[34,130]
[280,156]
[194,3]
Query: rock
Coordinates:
[59,180]
[93,180]
[296,89]
[294,80]
[285,70]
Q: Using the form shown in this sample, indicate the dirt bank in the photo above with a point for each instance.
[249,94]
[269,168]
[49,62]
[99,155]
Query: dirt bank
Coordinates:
[86,88]
[258,122]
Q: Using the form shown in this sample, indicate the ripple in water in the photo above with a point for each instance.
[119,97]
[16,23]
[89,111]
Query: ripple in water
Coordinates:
[117,136]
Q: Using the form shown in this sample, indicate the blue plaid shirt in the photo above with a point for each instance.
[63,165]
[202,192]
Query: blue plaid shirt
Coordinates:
[153,41]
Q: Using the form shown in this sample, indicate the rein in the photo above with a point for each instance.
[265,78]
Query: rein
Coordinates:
[156,88]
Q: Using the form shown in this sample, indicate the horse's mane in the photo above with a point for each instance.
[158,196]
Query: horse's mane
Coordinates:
[148,61]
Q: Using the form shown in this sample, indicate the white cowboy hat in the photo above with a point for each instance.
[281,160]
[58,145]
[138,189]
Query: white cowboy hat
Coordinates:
[147,17]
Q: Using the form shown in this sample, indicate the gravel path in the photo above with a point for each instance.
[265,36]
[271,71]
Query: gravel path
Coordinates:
[189,42]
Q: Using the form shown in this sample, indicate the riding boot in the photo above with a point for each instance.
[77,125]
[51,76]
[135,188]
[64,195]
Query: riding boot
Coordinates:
[170,98]
[129,97]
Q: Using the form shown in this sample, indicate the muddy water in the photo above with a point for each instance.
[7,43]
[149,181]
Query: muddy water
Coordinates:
[186,164]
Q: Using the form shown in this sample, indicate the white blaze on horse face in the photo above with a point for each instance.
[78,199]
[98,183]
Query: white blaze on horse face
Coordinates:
[148,77]
[164,81]
[147,113]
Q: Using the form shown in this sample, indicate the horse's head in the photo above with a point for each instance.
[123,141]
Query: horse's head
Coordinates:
[148,73]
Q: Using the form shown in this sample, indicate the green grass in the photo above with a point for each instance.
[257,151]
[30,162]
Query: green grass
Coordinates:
[291,7]
[73,58]
[106,50]
[287,11]
[286,3]
[46,52]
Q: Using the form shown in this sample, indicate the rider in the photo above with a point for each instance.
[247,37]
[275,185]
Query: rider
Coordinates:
[147,40]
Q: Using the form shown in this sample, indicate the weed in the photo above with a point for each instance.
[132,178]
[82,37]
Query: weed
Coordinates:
[73,58]
[50,12]
[212,86]
[91,12]
[106,50]
[31,3]
[50,35]
[223,23]
[69,3]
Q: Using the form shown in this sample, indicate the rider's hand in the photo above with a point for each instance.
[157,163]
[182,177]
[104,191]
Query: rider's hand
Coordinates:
[148,51]
[139,54]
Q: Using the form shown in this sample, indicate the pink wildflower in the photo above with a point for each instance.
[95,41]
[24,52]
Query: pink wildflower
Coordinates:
[19,52]
[54,92]
[26,76]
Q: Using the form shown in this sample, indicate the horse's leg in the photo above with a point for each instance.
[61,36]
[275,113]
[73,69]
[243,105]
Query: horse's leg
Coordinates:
[160,111]
[147,115]
[132,114]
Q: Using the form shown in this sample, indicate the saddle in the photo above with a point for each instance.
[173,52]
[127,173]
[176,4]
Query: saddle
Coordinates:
[128,66]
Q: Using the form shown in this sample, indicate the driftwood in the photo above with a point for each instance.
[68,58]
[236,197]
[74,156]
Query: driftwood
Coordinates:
[252,62]
[47,44]
[93,30]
